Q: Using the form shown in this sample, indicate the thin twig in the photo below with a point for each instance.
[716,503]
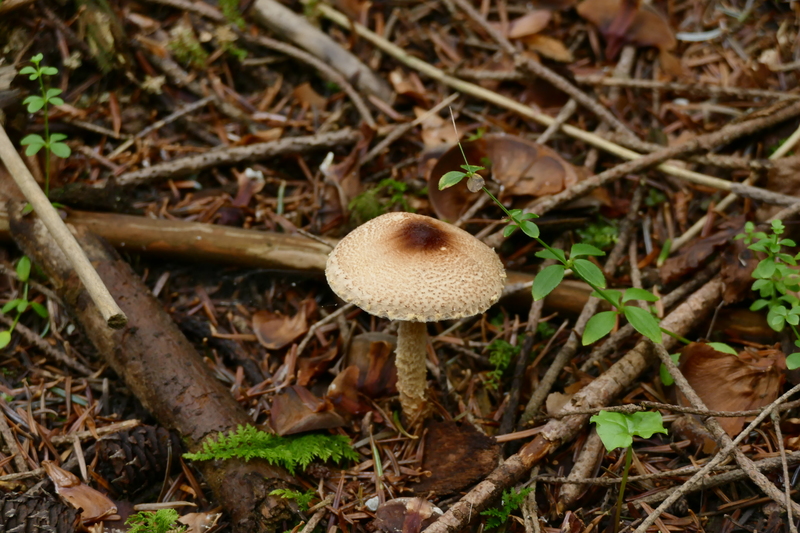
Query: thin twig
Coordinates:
[105,303]
[787,485]
[326,70]
[53,353]
[319,323]
[13,445]
[563,116]
[731,446]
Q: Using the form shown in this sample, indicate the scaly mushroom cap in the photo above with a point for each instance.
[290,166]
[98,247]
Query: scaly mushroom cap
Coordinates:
[404,266]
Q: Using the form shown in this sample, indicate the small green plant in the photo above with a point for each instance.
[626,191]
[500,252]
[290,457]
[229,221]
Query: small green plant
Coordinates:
[20,305]
[378,200]
[776,280]
[161,521]
[617,430]
[289,452]
[500,354]
[545,330]
[230,10]
[302,498]
[577,262]
[510,502]
[601,233]
[187,49]
[48,96]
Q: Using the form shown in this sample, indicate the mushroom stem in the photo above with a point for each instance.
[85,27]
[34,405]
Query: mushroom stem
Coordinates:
[410,361]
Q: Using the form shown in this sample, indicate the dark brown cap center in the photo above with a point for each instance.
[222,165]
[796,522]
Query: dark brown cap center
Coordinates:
[416,235]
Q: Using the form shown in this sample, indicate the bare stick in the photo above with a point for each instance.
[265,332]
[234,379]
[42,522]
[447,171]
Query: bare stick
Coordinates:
[787,484]
[13,445]
[111,312]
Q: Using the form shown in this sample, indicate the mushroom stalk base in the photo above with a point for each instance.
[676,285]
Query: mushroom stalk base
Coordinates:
[410,362]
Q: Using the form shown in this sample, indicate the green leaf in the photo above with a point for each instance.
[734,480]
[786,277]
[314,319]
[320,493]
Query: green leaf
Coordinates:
[57,100]
[666,377]
[617,430]
[609,294]
[639,294]
[57,137]
[765,269]
[547,280]
[33,138]
[643,322]
[722,347]
[589,272]
[792,361]
[556,253]
[61,150]
[39,309]
[5,338]
[28,70]
[508,230]
[22,306]
[51,92]
[451,178]
[34,103]
[529,228]
[472,169]
[598,327]
[27,209]
[33,149]
[11,304]
[49,71]
[24,268]
[579,249]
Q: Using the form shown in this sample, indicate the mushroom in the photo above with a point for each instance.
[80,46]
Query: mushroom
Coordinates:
[414,269]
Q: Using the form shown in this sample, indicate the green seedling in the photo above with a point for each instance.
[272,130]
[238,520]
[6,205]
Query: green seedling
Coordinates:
[48,96]
[161,521]
[601,233]
[510,502]
[577,262]
[776,281]
[617,430]
[20,305]
[302,498]
[289,452]
[500,354]
[378,200]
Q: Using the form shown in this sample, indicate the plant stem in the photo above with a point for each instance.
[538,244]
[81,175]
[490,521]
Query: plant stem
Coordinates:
[674,335]
[46,137]
[628,457]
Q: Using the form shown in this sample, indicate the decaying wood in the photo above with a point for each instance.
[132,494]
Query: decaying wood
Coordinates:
[111,312]
[162,369]
[599,393]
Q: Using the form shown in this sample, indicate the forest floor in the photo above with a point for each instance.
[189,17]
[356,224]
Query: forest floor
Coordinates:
[224,149]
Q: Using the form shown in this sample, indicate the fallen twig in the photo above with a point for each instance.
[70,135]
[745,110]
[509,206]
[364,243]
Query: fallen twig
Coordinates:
[237,154]
[111,312]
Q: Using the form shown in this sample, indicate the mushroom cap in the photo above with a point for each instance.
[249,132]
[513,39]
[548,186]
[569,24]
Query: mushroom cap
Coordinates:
[404,266]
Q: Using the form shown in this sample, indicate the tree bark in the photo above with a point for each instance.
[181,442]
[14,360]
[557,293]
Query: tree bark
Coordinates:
[161,368]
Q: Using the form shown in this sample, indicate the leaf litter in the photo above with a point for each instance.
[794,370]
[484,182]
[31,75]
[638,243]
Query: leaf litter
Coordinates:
[332,385]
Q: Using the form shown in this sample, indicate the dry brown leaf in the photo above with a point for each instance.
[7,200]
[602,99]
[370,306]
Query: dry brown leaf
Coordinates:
[308,96]
[297,410]
[436,130]
[457,456]
[96,505]
[406,515]
[529,24]
[693,257]
[726,382]
[274,331]
[310,367]
[628,21]
[525,168]
[199,522]
[549,47]
[373,354]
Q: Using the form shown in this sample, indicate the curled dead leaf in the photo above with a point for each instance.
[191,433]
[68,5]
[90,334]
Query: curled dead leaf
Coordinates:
[96,505]
[529,24]
[523,167]
[297,410]
[274,331]
[628,21]
[726,382]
